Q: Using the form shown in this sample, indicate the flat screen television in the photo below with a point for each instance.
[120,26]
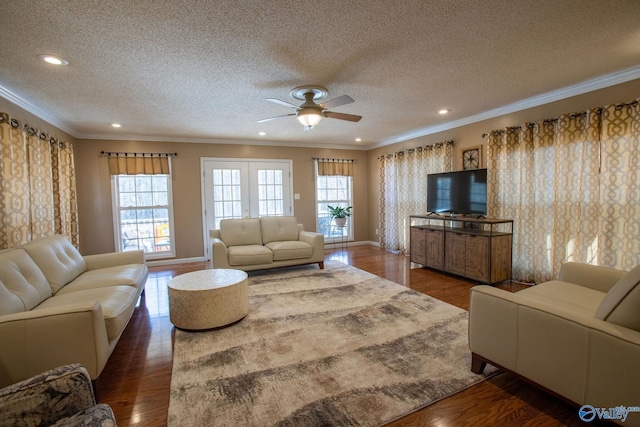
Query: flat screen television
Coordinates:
[463,192]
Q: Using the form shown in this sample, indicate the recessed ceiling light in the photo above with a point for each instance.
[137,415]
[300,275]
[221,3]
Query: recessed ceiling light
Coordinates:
[358,139]
[262,133]
[116,125]
[443,111]
[53,60]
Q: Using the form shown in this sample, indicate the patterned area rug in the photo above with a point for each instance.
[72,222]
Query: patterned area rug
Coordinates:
[332,347]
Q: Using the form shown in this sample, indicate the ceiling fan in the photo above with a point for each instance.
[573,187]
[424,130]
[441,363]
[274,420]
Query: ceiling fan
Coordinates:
[309,113]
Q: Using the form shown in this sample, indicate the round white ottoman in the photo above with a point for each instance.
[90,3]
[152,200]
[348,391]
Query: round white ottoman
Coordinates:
[208,299]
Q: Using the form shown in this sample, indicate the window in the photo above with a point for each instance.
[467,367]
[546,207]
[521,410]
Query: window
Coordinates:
[227,194]
[333,191]
[270,198]
[143,214]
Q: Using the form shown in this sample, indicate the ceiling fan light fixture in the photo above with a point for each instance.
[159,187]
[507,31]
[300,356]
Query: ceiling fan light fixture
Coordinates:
[309,116]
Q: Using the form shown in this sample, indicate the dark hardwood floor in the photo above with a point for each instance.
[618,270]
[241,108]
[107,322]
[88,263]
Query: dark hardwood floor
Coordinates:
[137,377]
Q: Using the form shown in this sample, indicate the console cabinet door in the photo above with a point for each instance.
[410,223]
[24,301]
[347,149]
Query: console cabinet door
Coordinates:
[501,258]
[477,265]
[435,249]
[418,249]
[455,258]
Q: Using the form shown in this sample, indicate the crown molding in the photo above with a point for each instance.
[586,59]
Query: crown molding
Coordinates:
[546,98]
[36,111]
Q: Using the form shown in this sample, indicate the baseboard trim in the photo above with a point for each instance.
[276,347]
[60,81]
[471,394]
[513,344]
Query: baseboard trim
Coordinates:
[175,261]
[330,245]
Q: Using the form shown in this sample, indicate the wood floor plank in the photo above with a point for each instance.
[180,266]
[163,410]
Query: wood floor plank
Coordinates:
[137,377]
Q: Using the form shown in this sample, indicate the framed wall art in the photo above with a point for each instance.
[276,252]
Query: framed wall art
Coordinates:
[472,157]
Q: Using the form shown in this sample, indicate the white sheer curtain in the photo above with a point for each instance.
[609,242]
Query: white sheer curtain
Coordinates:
[573,188]
[403,189]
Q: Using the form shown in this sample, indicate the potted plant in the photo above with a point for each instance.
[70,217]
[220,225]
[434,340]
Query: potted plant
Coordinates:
[340,214]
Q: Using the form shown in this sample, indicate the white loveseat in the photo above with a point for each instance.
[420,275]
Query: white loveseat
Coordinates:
[578,336]
[58,307]
[268,242]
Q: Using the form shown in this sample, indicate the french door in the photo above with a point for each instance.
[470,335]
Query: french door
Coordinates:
[251,188]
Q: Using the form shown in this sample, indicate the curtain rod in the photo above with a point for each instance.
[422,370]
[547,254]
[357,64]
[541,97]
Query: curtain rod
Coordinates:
[125,154]
[325,159]
[32,131]
[425,147]
[574,115]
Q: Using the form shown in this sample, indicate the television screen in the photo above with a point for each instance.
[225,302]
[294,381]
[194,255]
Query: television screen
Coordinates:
[463,192]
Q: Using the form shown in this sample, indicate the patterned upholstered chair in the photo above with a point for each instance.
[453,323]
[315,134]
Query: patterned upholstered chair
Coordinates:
[62,396]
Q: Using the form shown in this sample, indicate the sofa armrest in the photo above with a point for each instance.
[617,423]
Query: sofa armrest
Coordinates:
[47,397]
[590,276]
[39,340]
[493,333]
[113,259]
[219,254]
[312,238]
[316,240]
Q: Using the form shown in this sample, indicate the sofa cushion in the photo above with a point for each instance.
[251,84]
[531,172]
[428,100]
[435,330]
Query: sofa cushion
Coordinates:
[129,274]
[22,284]
[58,259]
[236,232]
[565,296]
[279,228]
[621,305]
[290,250]
[249,255]
[117,302]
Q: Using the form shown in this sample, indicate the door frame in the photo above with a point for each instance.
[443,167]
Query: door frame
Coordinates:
[204,160]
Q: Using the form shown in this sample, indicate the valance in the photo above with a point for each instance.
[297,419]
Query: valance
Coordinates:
[335,167]
[138,163]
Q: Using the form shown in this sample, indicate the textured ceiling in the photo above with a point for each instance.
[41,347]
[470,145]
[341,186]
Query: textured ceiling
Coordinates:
[201,70]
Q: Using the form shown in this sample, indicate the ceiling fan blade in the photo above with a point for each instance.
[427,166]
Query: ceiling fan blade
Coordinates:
[337,102]
[285,103]
[275,117]
[342,116]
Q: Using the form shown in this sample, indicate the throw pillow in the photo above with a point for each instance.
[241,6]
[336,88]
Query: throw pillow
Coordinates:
[621,305]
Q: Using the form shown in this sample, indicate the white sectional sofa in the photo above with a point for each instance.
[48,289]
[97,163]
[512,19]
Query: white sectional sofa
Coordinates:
[578,336]
[58,307]
[268,242]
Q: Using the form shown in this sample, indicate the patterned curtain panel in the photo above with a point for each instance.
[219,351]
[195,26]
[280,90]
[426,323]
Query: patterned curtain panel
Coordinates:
[37,186]
[403,189]
[335,167]
[40,186]
[15,214]
[619,230]
[544,177]
[138,164]
[573,188]
[64,191]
